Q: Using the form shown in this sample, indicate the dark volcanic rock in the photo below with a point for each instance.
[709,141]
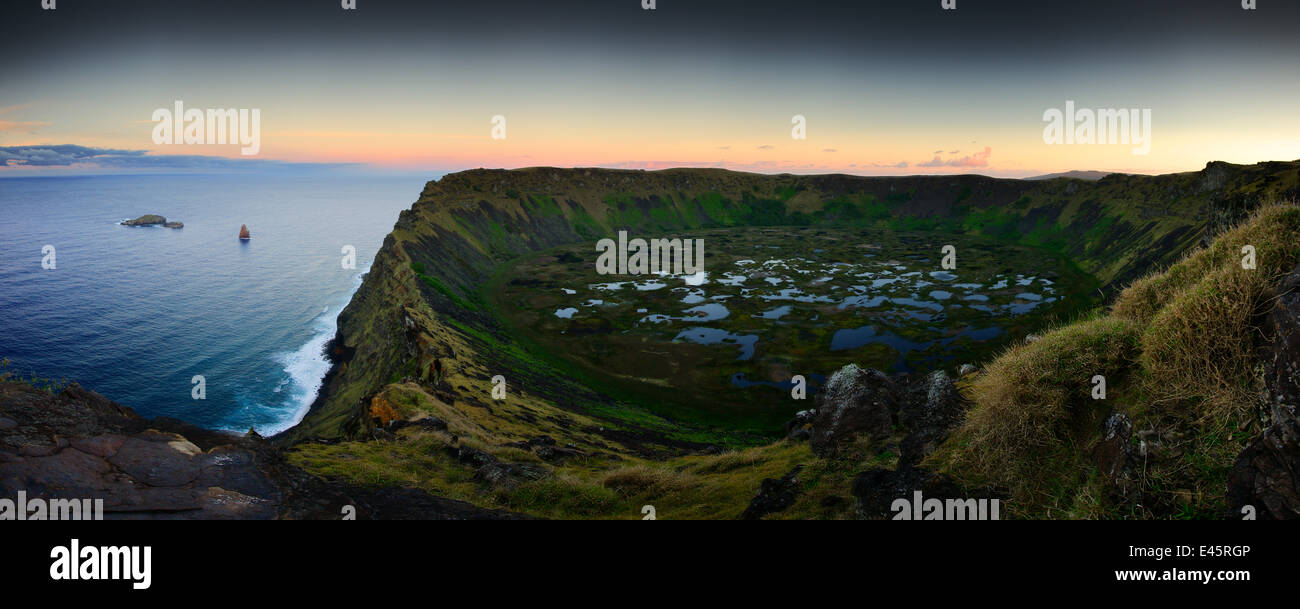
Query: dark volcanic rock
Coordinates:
[932,402]
[774,495]
[1267,474]
[798,427]
[1114,451]
[859,401]
[509,474]
[80,445]
[468,455]
[854,401]
[876,489]
[931,407]
[493,471]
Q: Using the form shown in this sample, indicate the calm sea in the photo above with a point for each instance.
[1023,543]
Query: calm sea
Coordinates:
[137,313]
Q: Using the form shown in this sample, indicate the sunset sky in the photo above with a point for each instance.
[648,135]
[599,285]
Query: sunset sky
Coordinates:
[887,87]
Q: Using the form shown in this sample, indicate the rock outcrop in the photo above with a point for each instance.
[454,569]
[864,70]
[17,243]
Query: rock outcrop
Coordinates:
[80,445]
[876,489]
[494,472]
[77,444]
[1114,452]
[774,495]
[857,401]
[1266,476]
[854,401]
[800,427]
[931,407]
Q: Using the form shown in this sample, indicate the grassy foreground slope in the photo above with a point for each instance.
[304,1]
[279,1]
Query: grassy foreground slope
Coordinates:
[1178,351]
[417,341]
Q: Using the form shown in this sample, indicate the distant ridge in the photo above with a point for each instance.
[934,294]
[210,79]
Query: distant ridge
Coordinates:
[1078,175]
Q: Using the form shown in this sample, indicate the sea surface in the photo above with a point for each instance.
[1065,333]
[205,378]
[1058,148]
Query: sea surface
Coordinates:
[136,313]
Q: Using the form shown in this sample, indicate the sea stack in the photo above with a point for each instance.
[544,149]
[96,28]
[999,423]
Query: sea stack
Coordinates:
[243,232]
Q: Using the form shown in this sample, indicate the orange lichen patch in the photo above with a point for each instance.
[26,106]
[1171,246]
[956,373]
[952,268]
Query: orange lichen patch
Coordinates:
[381,411]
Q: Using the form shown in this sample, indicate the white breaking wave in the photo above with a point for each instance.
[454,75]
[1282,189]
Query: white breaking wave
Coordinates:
[308,365]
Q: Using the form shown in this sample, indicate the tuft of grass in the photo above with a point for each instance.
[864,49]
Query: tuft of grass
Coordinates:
[564,496]
[731,461]
[1034,403]
[1199,349]
[637,480]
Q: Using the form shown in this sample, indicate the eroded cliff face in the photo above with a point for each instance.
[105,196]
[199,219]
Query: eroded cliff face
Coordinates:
[421,306]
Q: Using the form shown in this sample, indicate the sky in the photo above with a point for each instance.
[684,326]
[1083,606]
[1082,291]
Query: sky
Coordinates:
[896,87]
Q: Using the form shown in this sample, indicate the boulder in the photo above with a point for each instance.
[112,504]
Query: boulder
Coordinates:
[931,407]
[774,495]
[471,456]
[493,471]
[876,489]
[853,401]
[797,428]
[934,402]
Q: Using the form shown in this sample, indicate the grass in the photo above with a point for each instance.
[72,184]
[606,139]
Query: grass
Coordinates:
[441,288]
[1178,350]
[693,487]
[1034,408]
[1201,315]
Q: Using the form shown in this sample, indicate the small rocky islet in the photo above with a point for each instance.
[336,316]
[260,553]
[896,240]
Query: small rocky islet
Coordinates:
[153,220]
[157,220]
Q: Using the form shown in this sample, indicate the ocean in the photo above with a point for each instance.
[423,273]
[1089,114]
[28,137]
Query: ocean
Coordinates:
[136,313]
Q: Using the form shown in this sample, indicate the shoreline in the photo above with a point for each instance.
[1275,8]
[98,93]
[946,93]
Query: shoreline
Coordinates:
[333,354]
[326,354]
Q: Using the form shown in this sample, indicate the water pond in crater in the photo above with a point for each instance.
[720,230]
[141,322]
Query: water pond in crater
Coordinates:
[775,302]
